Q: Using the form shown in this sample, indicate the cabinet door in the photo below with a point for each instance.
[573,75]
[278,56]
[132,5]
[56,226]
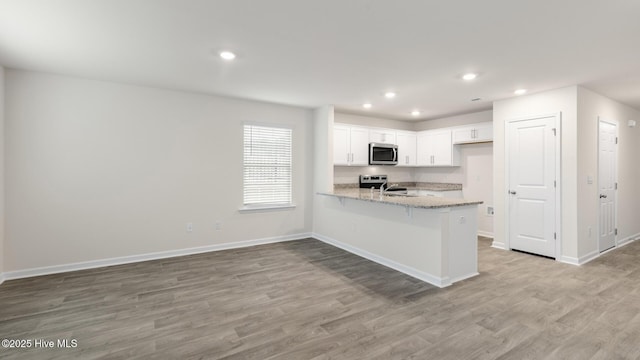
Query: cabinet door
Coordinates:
[484,132]
[481,132]
[442,148]
[341,145]
[406,148]
[384,136]
[463,135]
[359,146]
[424,147]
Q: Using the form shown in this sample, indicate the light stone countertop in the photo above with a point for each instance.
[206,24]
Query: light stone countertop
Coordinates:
[424,202]
[410,185]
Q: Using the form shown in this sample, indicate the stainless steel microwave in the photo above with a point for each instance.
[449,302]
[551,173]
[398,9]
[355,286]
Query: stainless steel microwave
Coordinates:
[383,154]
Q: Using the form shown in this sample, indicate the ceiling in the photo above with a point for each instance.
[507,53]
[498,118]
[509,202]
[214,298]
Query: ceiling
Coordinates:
[312,53]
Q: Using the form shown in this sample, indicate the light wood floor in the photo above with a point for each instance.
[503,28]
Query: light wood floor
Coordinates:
[309,300]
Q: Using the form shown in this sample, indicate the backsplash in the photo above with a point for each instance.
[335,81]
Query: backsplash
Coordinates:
[350,174]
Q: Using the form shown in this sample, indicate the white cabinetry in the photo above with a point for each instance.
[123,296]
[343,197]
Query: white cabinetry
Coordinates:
[481,132]
[385,136]
[435,149]
[350,145]
[406,142]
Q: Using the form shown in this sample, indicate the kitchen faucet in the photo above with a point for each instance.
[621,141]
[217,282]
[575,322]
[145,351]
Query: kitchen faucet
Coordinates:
[383,189]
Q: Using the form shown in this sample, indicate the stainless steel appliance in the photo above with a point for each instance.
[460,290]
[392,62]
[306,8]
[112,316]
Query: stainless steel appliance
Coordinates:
[380,181]
[372,181]
[383,154]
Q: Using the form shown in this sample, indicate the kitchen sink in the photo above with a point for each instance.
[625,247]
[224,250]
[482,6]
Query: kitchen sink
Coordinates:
[396,190]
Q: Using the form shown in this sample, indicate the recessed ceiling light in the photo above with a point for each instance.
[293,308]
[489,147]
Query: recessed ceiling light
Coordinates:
[415,113]
[366,105]
[520,91]
[389,95]
[469,76]
[227,55]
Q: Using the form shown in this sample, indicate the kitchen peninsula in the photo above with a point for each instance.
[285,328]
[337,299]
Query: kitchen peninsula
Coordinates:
[430,238]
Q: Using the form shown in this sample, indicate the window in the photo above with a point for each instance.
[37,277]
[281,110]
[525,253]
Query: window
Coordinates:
[267,166]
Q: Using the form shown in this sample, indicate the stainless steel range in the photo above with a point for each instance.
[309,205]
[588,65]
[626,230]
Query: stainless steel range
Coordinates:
[372,181]
[380,182]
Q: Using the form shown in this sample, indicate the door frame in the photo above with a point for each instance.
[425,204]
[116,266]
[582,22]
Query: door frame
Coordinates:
[507,198]
[615,176]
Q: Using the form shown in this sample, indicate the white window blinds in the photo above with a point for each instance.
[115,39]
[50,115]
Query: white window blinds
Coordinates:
[267,165]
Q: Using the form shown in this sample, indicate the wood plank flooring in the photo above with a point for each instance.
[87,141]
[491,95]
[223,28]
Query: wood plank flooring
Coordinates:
[308,300]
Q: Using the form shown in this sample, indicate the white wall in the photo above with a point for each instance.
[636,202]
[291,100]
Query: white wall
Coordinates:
[580,111]
[323,148]
[591,106]
[561,100]
[349,174]
[2,144]
[466,119]
[99,170]
[352,119]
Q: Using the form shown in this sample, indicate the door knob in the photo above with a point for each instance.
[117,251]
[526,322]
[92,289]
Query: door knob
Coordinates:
[603,196]
[512,192]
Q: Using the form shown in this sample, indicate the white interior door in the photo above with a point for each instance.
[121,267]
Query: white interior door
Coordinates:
[532,184]
[607,135]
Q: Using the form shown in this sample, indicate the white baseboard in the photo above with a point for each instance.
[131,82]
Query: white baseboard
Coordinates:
[1,278]
[498,245]
[627,240]
[55,269]
[595,254]
[464,277]
[420,275]
[588,257]
[485,234]
[579,261]
[569,260]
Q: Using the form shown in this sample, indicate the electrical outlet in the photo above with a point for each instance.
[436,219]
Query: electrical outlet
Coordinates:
[589,231]
[490,210]
[218,225]
[462,220]
[189,227]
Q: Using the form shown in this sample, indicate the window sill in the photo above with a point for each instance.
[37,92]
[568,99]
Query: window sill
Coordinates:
[263,208]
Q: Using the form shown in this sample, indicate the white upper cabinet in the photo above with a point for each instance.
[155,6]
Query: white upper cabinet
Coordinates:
[434,148]
[481,132]
[406,141]
[350,145]
[341,145]
[385,136]
[426,148]
[359,146]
